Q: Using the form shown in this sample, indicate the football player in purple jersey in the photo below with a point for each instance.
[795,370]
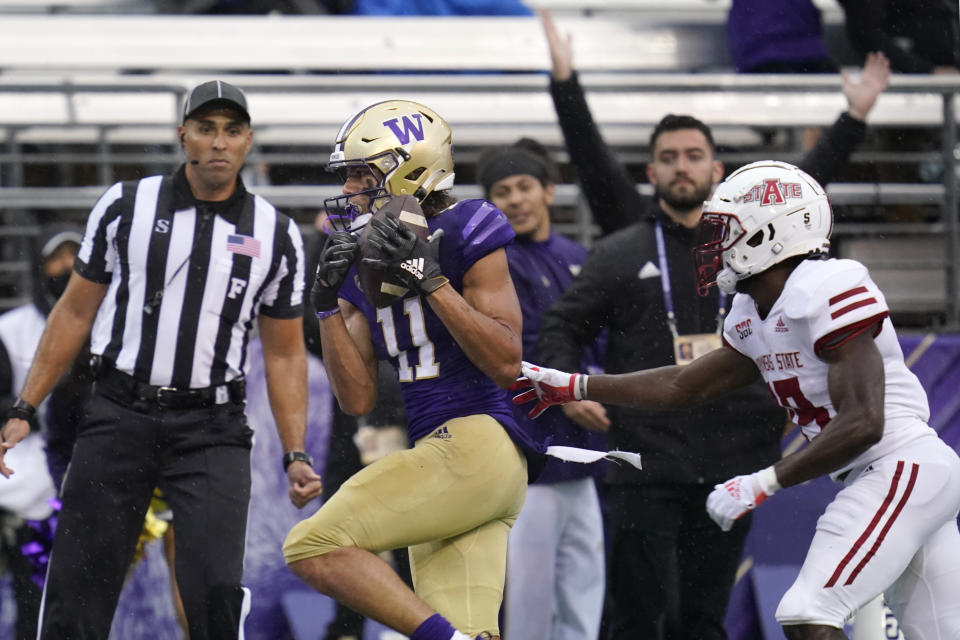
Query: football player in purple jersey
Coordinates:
[454,339]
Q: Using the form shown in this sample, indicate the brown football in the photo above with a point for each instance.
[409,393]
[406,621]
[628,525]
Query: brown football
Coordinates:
[381,288]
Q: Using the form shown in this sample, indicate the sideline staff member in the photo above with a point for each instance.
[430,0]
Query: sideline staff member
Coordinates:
[170,276]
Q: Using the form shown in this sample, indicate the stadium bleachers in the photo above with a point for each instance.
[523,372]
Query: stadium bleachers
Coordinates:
[86,98]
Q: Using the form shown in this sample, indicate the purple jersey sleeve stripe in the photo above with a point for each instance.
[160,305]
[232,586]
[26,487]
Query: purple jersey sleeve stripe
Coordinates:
[487,232]
[478,218]
[493,221]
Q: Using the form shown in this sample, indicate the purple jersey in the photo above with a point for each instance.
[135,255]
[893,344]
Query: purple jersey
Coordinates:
[761,31]
[541,271]
[438,380]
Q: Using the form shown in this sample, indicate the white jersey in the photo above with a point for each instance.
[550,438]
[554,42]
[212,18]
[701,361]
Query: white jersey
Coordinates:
[20,331]
[825,303]
[28,491]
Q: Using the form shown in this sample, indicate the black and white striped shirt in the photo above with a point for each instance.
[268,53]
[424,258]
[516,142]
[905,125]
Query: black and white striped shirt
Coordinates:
[218,265]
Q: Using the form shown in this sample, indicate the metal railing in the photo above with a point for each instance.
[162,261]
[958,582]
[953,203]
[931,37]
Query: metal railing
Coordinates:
[483,109]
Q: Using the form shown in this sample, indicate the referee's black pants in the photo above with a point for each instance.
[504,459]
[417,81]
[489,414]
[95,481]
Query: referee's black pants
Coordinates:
[200,458]
[670,568]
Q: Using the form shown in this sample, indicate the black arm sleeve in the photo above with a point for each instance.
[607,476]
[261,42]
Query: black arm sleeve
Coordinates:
[866,26]
[609,190]
[832,152]
[574,320]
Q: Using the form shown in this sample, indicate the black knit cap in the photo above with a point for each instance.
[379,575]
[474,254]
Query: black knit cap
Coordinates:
[215,93]
[503,162]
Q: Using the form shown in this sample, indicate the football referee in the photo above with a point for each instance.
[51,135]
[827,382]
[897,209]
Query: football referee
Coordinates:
[172,273]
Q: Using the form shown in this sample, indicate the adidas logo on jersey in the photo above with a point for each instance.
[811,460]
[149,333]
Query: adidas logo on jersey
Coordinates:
[781,326]
[442,433]
[414,266]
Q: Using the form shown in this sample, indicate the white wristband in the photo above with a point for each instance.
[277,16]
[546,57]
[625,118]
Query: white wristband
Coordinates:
[580,388]
[767,478]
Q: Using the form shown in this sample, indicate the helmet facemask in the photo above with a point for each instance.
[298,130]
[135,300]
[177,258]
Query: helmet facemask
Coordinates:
[351,211]
[716,233]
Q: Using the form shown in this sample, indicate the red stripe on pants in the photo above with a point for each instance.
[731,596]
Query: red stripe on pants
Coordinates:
[866,534]
[886,527]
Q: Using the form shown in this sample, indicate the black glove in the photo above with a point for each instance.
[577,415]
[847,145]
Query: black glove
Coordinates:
[405,256]
[339,252]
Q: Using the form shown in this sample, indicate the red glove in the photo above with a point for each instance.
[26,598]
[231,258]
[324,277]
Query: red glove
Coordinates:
[548,387]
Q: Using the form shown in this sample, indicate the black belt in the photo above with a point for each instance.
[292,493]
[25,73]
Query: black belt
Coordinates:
[121,386]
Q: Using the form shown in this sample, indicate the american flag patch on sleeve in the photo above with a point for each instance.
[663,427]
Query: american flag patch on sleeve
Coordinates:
[244,245]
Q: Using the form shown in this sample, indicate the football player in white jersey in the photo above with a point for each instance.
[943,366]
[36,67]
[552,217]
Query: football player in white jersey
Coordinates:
[817,330]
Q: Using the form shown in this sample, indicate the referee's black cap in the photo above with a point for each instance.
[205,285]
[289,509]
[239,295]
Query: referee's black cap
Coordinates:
[215,93]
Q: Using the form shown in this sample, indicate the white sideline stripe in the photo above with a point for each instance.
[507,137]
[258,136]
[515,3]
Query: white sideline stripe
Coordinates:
[244,610]
[43,597]
[920,349]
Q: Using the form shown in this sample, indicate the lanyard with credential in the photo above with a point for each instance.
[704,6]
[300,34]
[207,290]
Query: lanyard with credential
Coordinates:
[668,292]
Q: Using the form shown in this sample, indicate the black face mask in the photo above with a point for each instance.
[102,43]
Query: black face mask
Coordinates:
[56,285]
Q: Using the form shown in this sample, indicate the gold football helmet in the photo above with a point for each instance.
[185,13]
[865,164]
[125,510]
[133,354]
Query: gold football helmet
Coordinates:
[407,144]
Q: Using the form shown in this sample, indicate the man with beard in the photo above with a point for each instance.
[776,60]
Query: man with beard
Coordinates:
[670,570]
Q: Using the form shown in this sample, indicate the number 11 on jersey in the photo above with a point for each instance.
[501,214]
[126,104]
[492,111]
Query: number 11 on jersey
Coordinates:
[427,367]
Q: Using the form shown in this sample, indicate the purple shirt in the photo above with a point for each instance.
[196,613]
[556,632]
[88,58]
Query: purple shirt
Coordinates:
[541,271]
[438,380]
[764,31]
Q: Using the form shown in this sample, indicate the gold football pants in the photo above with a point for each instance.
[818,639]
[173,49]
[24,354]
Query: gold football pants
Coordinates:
[452,499]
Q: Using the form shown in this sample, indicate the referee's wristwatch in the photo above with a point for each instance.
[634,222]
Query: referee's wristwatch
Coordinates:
[22,410]
[296,456]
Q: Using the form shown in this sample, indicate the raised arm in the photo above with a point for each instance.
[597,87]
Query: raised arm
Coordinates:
[862,94]
[66,332]
[610,191]
[833,149]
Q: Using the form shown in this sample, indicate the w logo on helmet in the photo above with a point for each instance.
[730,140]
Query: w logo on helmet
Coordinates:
[770,192]
[409,127]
